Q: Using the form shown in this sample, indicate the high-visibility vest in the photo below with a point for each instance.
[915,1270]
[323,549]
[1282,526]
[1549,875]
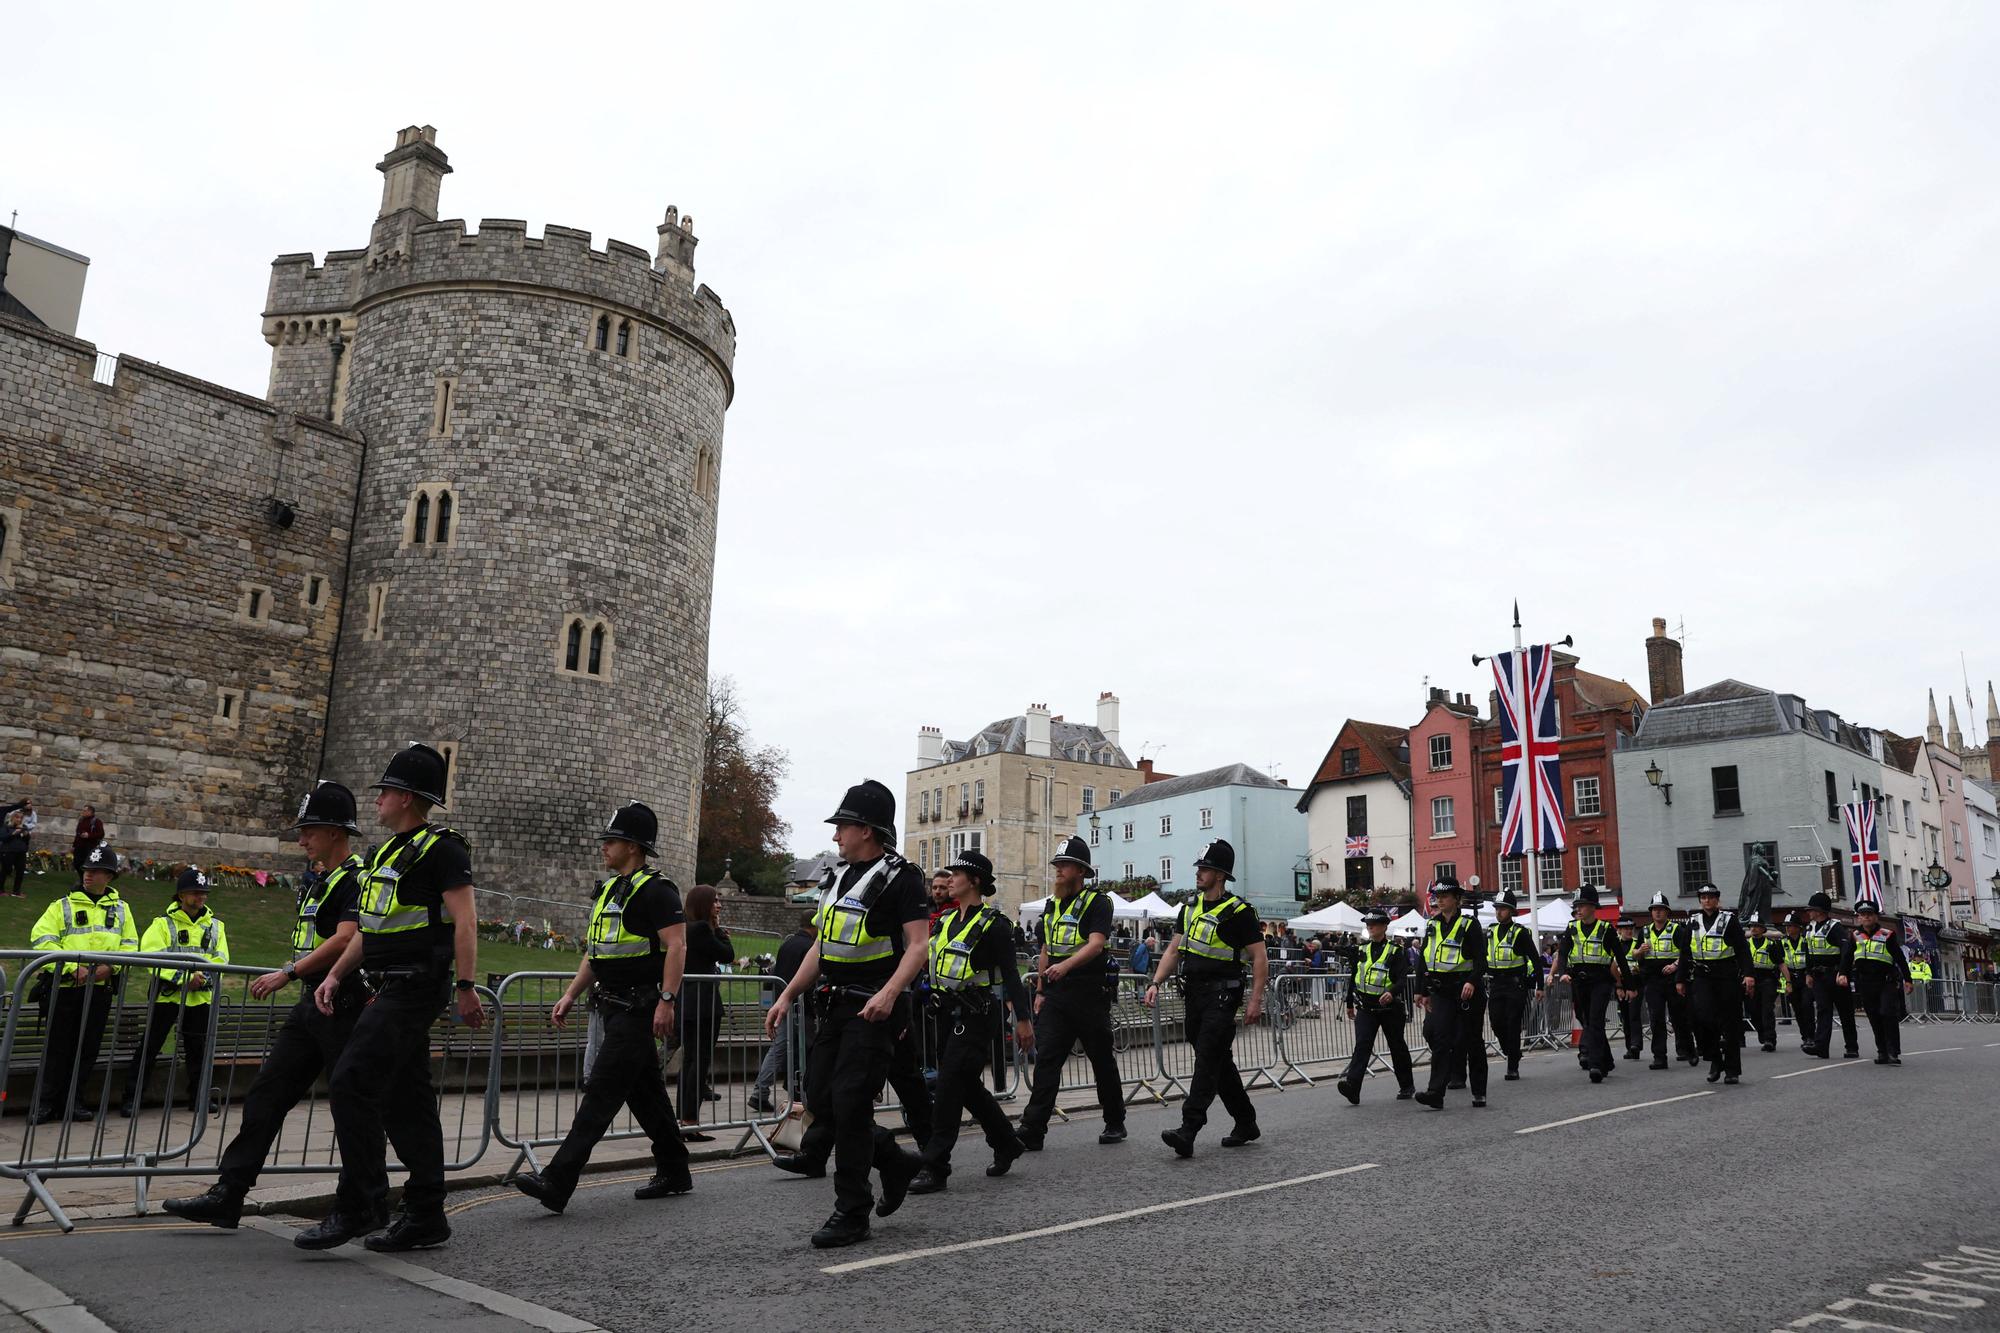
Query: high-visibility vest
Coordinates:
[1202,933]
[85,924]
[1795,952]
[1760,956]
[1873,947]
[174,931]
[313,893]
[1501,955]
[842,918]
[1444,948]
[1062,923]
[958,935]
[608,936]
[1371,972]
[1662,946]
[1821,951]
[1707,939]
[1590,948]
[382,912]
[1920,970]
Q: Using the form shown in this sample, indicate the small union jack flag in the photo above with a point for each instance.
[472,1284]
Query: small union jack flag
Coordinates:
[1530,746]
[1864,863]
[1357,845]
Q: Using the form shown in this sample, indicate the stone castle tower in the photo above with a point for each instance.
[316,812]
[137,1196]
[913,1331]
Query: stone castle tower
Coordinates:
[534,531]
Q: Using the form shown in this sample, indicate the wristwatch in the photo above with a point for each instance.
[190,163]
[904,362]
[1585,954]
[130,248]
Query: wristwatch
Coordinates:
[461,984]
[291,971]
[667,996]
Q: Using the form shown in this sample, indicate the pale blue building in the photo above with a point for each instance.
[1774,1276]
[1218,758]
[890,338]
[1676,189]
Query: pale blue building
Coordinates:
[1160,829]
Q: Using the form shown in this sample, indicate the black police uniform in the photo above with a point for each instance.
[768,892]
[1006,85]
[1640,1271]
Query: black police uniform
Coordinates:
[1798,995]
[1375,997]
[1631,1002]
[969,1017]
[79,1009]
[1589,957]
[1760,1007]
[1829,952]
[1880,970]
[1513,975]
[1715,990]
[189,1024]
[1452,954]
[1075,1010]
[1657,949]
[1212,990]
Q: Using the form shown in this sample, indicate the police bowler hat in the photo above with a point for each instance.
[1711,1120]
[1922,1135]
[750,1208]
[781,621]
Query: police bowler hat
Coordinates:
[1374,916]
[1708,891]
[417,769]
[976,865]
[328,805]
[1450,886]
[1868,905]
[635,823]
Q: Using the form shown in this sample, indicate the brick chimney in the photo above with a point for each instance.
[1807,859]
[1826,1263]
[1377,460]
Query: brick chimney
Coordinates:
[1663,664]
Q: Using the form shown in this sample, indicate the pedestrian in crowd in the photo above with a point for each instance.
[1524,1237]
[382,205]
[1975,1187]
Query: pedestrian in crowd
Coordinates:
[1588,960]
[89,919]
[1798,995]
[1718,949]
[974,976]
[1212,937]
[791,1037]
[418,923]
[874,933]
[1513,975]
[1760,1005]
[14,838]
[1072,1004]
[635,952]
[1661,960]
[183,998]
[309,1041]
[700,1009]
[1631,996]
[89,834]
[1880,971]
[1375,1003]
[1451,981]
[1829,951]
[1142,955]
[940,895]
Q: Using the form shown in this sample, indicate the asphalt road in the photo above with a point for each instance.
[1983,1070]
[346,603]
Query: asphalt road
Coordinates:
[1750,1207]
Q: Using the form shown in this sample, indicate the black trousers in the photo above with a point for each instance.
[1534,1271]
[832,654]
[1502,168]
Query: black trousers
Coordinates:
[381,1088]
[307,1045]
[906,1078]
[967,1045]
[1800,997]
[1761,1008]
[1211,1030]
[1882,1002]
[14,862]
[1631,1022]
[1389,1020]
[1072,1016]
[194,1022]
[698,1022]
[1455,1030]
[1591,993]
[1507,1004]
[1663,1001]
[77,1016]
[626,1073]
[1716,999]
[1830,1000]
[844,1074]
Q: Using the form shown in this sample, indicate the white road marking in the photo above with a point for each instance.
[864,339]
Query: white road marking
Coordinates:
[883,1260]
[1819,1069]
[540,1316]
[42,1305]
[1934,1050]
[1635,1106]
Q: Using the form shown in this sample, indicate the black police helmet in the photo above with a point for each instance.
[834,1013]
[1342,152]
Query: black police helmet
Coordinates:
[191,878]
[101,857]
[871,805]
[1218,855]
[1075,852]
[634,823]
[1819,902]
[417,769]
[328,804]
[1660,900]
[1708,891]
[976,865]
[1586,896]
[1450,886]
[1508,899]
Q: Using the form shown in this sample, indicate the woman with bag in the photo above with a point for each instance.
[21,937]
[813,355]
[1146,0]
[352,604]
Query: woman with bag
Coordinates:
[708,948]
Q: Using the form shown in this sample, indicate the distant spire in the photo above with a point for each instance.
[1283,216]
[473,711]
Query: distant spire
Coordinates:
[1954,737]
[1932,731]
[1992,713]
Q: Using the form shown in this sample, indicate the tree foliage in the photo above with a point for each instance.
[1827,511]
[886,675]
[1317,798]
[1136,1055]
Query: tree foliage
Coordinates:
[739,785]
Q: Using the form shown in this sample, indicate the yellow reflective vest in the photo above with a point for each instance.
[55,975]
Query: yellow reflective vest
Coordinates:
[80,922]
[174,931]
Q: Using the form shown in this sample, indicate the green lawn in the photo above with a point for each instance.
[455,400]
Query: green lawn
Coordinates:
[260,924]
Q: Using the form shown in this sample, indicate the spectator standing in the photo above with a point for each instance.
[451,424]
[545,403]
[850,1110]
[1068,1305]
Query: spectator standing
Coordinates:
[13,849]
[792,951]
[700,1010]
[89,833]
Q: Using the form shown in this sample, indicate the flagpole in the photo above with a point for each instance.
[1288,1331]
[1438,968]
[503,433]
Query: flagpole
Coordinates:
[1530,843]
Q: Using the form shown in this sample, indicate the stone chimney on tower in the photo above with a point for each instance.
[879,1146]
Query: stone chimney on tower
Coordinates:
[1038,745]
[413,173]
[930,747]
[1932,731]
[1107,716]
[1663,664]
[677,242]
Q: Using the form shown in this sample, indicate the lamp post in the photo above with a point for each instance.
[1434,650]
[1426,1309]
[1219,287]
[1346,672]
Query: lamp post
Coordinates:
[1653,776]
[1937,878]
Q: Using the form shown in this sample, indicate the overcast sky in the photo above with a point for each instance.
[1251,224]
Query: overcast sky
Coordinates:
[1246,366]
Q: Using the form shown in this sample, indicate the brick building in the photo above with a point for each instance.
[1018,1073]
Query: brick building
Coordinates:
[1443,809]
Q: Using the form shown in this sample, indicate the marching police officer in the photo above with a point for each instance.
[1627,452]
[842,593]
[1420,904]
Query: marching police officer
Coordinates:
[1760,1006]
[417,919]
[1212,933]
[91,918]
[1631,997]
[631,968]
[1829,950]
[974,975]
[1379,965]
[1589,959]
[184,998]
[1660,957]
[874,929]
[1878,966]
[1451,969]
[1717,946]
[1513,975]
[309,1041]
[1072,1002]
[1797,994]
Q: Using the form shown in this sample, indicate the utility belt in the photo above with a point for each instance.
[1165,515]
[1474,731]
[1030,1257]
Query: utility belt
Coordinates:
[972,1000]
[1437,983]
[379,979]
[1513,977]
[1716,969]
[824,996]
[621,999]
[1204,983]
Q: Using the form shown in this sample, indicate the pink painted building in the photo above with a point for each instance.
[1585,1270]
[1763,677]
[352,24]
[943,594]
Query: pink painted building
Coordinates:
[1444,814]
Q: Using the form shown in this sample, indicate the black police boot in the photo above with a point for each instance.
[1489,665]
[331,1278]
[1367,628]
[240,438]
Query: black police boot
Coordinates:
[81,1113]
[1434,1100]
[1179,1140]
[930,1180]
[665,1184]
[1693,1058]
[411,1231]
[221,1207]
[1513,1074]
[1768,1046]
[1404,1094]
[842,1229]
[1239,1135]
[1005,1156]
[1351,1091]
[1659,1062]
[1881,1059]
[896,1180]
[43,1115]
[1032,1139]
[1895,1059]
[1728,1079]
[1596,1075]
[1456,1085]
[538,1188]
[1715,1072]
[1112,1134]
[1479,1102]
[1845,1055]
[799,1165]
[339,1227]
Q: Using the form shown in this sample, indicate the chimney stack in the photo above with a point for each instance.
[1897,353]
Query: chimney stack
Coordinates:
[1107,716]
[413,173]
[930,747]
[1663,664]
[1038,746]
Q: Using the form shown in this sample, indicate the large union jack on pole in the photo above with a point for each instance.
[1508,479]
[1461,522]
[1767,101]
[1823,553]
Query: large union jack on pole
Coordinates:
[1530,741]
[1864,862]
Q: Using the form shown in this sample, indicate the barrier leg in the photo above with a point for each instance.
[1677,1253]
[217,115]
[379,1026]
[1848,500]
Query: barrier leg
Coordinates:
[39,1193]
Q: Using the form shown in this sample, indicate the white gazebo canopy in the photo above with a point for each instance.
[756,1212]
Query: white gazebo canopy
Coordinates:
[1120,909]
[1338,916]
[1154,905]
[1555,915]
[1410,923]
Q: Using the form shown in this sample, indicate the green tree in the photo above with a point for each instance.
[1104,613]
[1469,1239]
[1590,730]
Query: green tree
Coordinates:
[739,782]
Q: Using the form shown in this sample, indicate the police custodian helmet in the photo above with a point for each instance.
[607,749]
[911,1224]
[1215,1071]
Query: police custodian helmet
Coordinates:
[417,769]
[1218,855]
[1075,852]
[329,805]
[191,878]
[634,823]
[871,805]
[101,857]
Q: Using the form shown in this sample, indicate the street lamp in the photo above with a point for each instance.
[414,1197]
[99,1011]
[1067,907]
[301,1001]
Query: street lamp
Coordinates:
[1653,775]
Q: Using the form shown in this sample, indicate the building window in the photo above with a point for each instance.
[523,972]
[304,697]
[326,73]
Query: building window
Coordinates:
[1552,872]
[427,519]
[1958,842]
[1832,797]
[1114,791]
[229,707]
[1128,833]
[315,592]
[1207,817]
[584,647]
[1444,870]
[1590,865]
[975,841]
[1991,839]
[924,807]
[449,749]
[1089,799]
[1357,816]
[1888,812]
[1166,870]
[1694,869]
[1585,800]
[1499,805]
[1440,753]
[964,799]
[442,404]
[253,604]
[706,478]
[1511,873]
[1166,825]
[1350,762]
[1728,797]
[10,544]
[1909,817]
[378,597]
[1444,817]
[1093,835]
[979,797]
[937,802]
[1128,870]
[624,337]
[1359,874]
[602,341]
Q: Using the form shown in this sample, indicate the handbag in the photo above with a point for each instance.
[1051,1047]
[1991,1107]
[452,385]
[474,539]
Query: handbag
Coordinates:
[790,1135]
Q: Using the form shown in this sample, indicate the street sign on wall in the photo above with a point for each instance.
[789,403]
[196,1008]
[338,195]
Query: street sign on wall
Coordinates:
[1302,885]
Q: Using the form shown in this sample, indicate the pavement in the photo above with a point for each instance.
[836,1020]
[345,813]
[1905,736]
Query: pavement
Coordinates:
[1816,1194]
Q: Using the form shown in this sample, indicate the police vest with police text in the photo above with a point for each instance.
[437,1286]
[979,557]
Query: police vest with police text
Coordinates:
[608,936]
[1709,941]
[842,918]
[314,893]
[957,939]
[1201,936]
[1501,955]
[1062,923]
[1761,957]
[1590,948]
[1873,946]
[1371,969]
[382,911]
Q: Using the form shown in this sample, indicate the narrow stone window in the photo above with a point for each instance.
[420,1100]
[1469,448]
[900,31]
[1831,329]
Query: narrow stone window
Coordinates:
[603,332]
[596,667]
[420,530]
[315,593]
[705,472]
[624,337]
[229,707]
[575,647]
[444,518]
[442,403]
[10,542]
[253,604]
[378,596]
[584,647]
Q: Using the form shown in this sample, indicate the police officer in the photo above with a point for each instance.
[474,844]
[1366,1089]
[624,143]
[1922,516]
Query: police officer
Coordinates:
[974,976]
[1798,995]
[1589,959]
[417,918]
[1829,950]
[631,968]
[91,918]
[1881,975]
[1379,967]
[1660,959]
[183,998]
[1072,1003]
[1212,933]
[1921,975]
[1513,975]
[1717,946]
[1631,996]
[874,929]
[1451,970]
[309,1041]
[1760,1006]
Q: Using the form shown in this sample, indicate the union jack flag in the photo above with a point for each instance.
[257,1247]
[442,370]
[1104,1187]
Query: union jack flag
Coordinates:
[1864,863]
[1357,845]
[1530,740]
